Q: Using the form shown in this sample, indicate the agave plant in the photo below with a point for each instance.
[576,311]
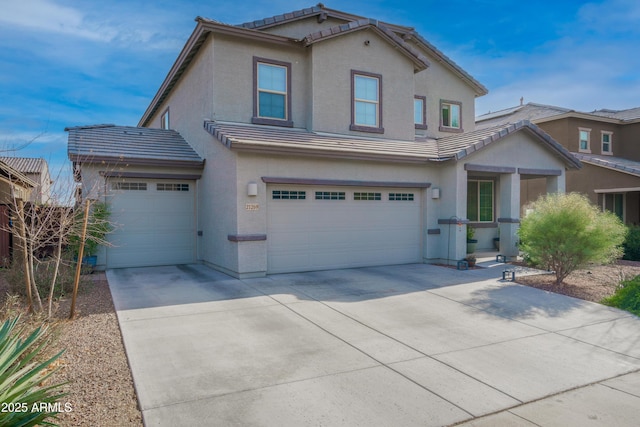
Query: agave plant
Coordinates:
[26,400]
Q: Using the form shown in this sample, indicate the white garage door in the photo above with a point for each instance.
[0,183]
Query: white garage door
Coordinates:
[316,228]
[155,222]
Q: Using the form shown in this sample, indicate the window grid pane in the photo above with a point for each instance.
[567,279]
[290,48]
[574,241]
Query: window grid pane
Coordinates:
[288,195]
[367,196]
[134,186]
[472,201]
[486,201]
[272,91]
[418,111]
[401,197]
[330,195]
[584,140]
[366,100]
[172,187]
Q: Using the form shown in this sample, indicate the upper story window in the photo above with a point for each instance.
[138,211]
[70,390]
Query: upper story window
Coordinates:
[366,110]
[450,116]
[584,140]
[164,120]
[420,112]
[272,92]
[606,142]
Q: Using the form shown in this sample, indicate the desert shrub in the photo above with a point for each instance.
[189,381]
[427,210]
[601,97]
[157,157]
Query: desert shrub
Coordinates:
[23,377]
[631,244]
[626,297]
[43,270]
[564,232]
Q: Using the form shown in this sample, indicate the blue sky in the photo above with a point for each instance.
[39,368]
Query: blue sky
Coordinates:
[69,63]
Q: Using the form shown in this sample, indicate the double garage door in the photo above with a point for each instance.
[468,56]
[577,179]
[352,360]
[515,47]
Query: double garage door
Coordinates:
[155,222]
[316,228]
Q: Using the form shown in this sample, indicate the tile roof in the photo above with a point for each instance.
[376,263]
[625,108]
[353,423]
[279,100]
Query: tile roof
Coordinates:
[464,144]
[275,139]
[300,141]
[25,164]
[529,111]
[133,145]
[537,112]
[623,165]
[623,115]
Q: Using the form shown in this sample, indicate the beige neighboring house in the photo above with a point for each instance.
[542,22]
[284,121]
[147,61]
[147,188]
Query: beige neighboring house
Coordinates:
[311,140]
[605,141]
[37,170]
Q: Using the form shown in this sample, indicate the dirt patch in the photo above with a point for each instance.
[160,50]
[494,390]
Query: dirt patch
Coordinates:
[591,284]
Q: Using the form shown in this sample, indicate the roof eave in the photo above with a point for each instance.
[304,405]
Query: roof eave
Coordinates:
[113,160]
[327,153]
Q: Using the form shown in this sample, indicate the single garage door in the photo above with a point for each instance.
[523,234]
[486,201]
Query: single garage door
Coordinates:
[155,222]
[321,228]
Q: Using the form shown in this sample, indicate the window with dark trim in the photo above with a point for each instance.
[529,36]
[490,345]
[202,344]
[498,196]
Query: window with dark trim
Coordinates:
[288,195]
[420,112]
[164,120]
[606,142]
[366,102]
[271,92]
[330,195]
[450,116]
[480,201]
[584,140]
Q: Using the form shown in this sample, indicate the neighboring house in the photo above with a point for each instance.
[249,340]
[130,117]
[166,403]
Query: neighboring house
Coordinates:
[38,171]
[13,186]
[311,140]
[605,141]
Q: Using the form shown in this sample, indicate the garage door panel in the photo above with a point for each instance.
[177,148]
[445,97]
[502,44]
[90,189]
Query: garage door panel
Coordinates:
[152,227]
[315,234]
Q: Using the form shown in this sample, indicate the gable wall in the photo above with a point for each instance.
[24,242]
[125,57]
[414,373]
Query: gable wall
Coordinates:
[438,83]
[332,62]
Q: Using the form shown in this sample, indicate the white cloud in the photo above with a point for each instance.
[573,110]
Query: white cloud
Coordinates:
[46,15]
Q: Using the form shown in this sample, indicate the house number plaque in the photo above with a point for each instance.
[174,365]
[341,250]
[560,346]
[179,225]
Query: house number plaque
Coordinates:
[252,206]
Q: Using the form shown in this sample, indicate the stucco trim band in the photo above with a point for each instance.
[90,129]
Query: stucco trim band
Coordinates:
[472,167]
[344,182]
[246,237]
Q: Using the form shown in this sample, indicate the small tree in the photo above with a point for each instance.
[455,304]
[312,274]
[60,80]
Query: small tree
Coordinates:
[565,232]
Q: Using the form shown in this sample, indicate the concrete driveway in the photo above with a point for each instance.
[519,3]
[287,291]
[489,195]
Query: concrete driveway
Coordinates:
[391,346]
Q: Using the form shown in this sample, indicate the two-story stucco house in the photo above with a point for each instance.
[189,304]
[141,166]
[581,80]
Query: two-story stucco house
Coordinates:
[605,141]
[310,140]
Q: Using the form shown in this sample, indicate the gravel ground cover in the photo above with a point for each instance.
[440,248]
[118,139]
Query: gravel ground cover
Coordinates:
[94,364]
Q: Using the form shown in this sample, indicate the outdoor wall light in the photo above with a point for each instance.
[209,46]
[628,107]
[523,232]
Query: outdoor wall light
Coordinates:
[435,193]
[252,189]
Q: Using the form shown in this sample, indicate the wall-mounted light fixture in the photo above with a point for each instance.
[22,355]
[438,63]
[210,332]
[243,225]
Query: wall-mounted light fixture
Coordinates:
[252,189]
[435,193]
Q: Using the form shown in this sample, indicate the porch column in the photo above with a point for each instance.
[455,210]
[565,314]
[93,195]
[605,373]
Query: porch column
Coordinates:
[509,219]
[556,184]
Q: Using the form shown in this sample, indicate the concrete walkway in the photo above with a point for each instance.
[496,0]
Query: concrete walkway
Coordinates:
[409,345]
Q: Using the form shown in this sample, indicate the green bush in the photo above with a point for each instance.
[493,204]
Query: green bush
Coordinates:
[631,244]
[627,297]
[28,402]
[565,232]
